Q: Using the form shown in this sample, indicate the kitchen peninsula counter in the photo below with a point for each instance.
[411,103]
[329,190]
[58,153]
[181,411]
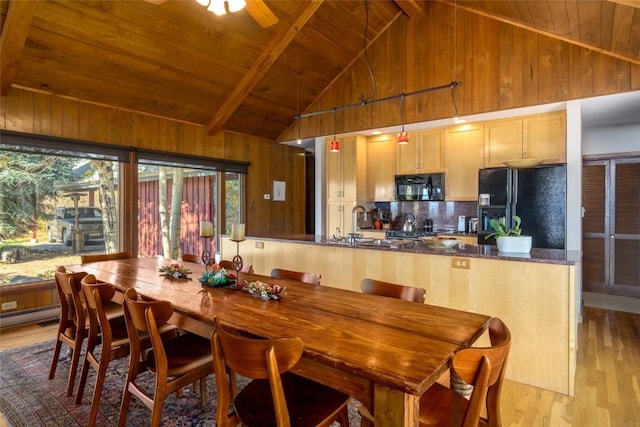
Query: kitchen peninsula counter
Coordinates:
[549,256]
[535,296]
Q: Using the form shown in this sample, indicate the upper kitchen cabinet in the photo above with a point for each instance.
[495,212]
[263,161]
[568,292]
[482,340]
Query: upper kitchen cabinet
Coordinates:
[464,156]
[423,154]
[537,137]
[381,170]
[502,141]
[346,169]
[545,137]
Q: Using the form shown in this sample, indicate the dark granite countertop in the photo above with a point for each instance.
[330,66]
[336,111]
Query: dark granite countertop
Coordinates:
[547,256]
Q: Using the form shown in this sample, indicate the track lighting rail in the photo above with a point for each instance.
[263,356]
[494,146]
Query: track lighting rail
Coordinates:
[362,103]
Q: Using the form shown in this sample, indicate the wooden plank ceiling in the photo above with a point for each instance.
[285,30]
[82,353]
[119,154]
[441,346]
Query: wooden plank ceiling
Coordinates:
[179,61]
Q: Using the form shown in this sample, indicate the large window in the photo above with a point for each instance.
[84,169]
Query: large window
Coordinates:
[61,199]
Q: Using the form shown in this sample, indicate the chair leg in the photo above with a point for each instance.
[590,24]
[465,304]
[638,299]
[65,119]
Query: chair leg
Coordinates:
[83,379]
[97,390]
[73,369]
[203,392]
[124,406]
[156,411]
[54,360]
[343,419]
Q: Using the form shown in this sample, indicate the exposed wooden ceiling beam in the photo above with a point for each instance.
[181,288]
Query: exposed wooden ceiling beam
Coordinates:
[411,8]
[262,65]
[14,33]
[632,3]
[546,33]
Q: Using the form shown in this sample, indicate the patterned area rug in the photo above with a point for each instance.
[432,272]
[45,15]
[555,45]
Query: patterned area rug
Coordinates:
[28,398]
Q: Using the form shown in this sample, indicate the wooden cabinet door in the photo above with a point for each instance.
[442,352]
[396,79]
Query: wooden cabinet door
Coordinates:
[502,141]
[431,155]
[464,156]
[423,154]
[381,154]
[407,157]
[334,179]
[335,219]
[545,137]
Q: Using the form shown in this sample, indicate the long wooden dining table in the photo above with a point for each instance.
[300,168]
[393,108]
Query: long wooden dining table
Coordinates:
[382,351]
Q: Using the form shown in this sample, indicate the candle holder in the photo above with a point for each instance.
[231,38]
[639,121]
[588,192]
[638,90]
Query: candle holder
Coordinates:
[206,231]
[237,260]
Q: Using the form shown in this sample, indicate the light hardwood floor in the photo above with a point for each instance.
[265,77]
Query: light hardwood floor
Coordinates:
[607,378]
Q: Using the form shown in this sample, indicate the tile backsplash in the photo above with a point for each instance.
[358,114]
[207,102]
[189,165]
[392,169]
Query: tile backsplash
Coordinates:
[444,214]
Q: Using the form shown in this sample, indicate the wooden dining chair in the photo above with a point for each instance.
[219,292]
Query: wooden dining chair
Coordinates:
[275,397]
[228,265]
[107,328]
[175,363]
[388,289]
[192,258]
[105,257]
[480,367]
[311,278]
[73,326]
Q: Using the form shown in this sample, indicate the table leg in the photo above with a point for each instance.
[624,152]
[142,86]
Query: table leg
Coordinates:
[394,408]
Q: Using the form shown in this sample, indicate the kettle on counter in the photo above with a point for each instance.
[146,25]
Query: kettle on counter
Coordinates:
[409,223]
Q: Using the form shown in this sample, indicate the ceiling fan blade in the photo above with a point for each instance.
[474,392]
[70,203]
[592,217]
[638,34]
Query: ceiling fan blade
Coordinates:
[261,13]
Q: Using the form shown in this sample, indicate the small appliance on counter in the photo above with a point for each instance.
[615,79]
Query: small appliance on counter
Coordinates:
[428,225]
[462,223]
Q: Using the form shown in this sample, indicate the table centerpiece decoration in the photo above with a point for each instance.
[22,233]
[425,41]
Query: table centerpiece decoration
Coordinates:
[216,277]
[264,290]
[175,271]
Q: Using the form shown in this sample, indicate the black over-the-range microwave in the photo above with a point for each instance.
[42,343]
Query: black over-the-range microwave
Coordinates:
[420,187]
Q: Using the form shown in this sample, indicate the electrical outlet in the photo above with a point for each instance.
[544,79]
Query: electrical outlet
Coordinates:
[259,245]
[461,263]
[9,305]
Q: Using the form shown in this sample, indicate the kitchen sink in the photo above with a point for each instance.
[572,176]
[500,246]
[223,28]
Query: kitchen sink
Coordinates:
[387,243]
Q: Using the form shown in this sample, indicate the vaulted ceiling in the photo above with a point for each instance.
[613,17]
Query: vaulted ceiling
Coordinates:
[178,61]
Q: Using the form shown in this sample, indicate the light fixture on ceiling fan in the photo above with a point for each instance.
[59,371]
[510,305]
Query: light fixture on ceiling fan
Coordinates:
[219,7]
[258,10]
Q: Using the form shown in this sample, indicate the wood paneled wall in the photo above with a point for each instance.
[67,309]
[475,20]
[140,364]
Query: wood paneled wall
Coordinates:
[501,67]
[37,113]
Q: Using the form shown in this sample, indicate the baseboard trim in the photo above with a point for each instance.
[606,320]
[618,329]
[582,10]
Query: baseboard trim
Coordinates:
[32,316]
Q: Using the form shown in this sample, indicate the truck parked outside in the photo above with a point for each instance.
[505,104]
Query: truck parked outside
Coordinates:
[89,221]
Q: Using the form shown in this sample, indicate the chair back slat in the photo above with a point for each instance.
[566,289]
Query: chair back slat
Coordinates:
[387,289]
[310,278]
[246,355]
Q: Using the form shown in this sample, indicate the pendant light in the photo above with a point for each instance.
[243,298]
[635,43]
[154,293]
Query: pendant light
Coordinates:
[403,136]
[334,145]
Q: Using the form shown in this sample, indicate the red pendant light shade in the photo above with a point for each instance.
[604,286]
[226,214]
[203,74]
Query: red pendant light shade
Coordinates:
[403,137]
[334,145]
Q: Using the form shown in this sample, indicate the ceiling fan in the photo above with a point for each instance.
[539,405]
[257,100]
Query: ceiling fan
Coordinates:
[256,8]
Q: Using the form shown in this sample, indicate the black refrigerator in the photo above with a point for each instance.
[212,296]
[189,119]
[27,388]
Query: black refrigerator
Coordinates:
[537,195]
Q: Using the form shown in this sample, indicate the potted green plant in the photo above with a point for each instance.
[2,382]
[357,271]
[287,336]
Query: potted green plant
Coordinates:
[510,240]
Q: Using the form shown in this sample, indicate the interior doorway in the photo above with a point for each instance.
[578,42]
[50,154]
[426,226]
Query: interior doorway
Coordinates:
[611,226]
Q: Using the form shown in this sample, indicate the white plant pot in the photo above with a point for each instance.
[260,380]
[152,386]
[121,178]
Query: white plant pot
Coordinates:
[514,244]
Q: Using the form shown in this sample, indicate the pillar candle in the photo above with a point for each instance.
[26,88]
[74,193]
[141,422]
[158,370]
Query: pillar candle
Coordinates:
[237,231]
[206,229]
